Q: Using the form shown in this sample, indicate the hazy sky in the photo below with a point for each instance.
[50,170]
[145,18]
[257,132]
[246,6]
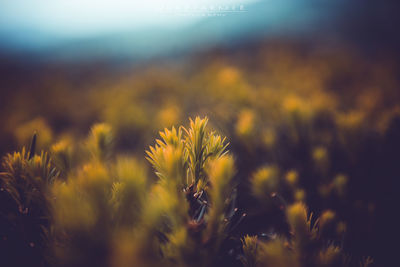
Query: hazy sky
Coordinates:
[147,27]
[114,26]
[74,18]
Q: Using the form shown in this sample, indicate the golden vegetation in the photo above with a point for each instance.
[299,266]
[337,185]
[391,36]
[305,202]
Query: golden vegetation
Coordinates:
[308,132]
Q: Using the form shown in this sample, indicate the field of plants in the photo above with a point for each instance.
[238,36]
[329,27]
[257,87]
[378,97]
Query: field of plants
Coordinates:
[285,156]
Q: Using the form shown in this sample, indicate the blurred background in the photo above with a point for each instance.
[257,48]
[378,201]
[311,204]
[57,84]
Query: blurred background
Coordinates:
[310,87]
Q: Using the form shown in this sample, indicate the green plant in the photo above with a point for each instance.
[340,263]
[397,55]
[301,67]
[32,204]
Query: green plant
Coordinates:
[25,217]
[107,211]
[306,246]
[194,166]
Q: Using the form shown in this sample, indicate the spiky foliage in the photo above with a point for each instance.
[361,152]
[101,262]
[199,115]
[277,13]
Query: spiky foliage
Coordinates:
[62,155]
[250,251]
[167,156]
[107,212]
[196,173]
[25,211]
[306,245]
[200,146]
[197,147]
